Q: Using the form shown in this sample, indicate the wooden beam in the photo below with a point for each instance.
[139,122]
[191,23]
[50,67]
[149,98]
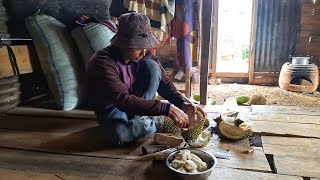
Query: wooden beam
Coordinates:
[188,83]
[265,80]
[214,33]
[254,17]
[269,74]
[229,75]
[40,112]
[206,46]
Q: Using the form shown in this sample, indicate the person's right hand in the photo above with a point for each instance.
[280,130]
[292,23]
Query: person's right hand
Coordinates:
[180,118]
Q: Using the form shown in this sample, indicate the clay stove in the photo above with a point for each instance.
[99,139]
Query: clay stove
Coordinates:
[300,77]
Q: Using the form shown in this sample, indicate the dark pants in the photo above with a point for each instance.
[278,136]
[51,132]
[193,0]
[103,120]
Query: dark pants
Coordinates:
[121,128]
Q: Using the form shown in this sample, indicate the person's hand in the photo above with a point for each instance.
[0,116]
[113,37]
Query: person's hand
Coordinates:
[191,109]
[180,118]
[188,108]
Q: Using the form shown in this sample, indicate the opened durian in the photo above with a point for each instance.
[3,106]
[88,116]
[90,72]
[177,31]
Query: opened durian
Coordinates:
[232,127]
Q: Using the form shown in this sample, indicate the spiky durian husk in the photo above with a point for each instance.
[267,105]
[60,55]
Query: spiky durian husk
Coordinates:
[257,99]
[193,133]
[169,126]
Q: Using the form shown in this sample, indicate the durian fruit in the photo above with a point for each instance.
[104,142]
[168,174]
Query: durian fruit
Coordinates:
[194,132]
[234,132]
[169,126]
[257,100]
[201,141]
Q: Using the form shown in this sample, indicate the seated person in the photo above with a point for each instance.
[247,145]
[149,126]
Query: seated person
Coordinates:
[124,77]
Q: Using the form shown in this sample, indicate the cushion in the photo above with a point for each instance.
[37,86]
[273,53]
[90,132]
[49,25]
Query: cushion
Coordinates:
[59,60]
[91,38]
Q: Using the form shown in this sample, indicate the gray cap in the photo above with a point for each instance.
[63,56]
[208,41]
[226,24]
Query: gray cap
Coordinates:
[134,32]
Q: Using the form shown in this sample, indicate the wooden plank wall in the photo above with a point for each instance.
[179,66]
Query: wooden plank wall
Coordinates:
[309,40]
[26,59]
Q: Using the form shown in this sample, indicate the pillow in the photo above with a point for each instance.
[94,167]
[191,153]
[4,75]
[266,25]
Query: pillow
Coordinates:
[59,60]
[91,38]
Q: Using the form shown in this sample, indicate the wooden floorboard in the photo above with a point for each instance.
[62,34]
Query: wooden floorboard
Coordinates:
[308,148]
[80,166]
[25,175]
[311,111]
[41,165]
[286,129]
[31,111]
[6,174]
[238,158]
[277,117]
[229,174]
[255,161]
[48,143]
[294,156]
[221,108]
[60,135]
[86,142]
[45,124]
[299,166]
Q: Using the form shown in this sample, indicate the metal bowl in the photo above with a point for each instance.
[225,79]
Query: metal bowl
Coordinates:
[204,156]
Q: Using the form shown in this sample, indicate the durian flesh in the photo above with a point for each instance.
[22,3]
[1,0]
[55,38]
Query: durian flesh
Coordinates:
[185,161]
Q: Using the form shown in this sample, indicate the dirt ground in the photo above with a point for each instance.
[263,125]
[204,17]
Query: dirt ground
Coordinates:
[273,94]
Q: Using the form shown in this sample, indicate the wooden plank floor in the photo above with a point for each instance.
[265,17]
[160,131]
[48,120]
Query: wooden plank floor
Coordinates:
[46,144]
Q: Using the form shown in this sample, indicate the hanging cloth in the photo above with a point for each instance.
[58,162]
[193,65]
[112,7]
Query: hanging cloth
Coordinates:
[185,28]
[160,13]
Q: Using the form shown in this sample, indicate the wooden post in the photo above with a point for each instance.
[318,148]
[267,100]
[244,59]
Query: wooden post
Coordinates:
[253,40]
[205,27]
[214,33]
[187,83]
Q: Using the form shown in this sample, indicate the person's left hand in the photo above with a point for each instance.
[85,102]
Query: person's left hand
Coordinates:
[190,109]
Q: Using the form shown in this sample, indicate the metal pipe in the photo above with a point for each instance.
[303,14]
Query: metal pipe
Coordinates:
[15,39]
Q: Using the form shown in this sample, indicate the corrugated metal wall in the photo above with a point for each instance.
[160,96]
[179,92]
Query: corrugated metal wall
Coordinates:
[277,23]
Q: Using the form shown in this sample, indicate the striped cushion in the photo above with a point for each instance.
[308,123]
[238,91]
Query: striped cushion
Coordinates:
[91,38]
[59,60]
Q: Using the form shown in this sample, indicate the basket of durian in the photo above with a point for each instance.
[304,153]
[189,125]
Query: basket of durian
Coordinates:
[190,164]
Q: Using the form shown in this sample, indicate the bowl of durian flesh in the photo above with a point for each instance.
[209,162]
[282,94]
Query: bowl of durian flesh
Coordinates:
[190,164]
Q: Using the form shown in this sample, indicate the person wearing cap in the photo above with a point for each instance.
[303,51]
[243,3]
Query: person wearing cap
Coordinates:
[124,77]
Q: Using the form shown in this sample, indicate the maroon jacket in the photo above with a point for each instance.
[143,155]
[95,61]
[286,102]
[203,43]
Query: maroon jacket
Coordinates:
[110,82]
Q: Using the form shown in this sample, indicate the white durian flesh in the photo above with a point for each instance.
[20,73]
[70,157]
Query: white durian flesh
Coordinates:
[183,155]
[176,163]
[185,161]
[201,166]
[190,165]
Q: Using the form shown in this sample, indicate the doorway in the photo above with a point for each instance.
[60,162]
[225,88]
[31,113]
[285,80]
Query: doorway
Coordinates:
[233,37]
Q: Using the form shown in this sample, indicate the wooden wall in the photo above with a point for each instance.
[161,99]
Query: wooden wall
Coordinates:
[309,40]
[23,57]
